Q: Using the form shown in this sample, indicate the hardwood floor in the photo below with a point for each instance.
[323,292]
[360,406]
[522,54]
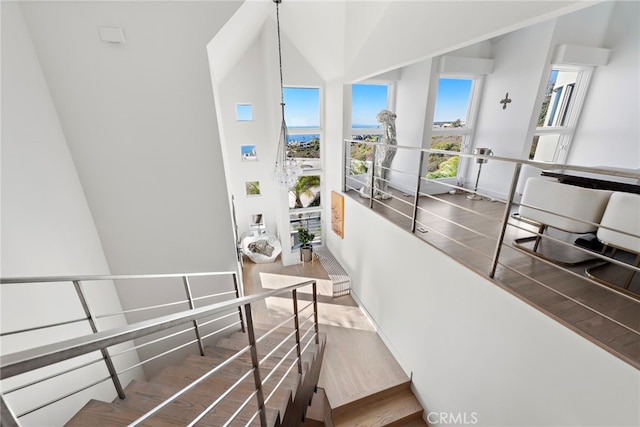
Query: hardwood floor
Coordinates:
[606,317]
[356,361]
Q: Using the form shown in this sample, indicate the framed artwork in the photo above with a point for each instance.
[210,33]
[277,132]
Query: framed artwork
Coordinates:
[252,188]
[337,214]
[248,153]
[257,220]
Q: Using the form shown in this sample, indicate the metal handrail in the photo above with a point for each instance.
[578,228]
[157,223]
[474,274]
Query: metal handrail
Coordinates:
[58,279]
[31,359]
[27,360]
[627,173]
[505,221]
[518,163]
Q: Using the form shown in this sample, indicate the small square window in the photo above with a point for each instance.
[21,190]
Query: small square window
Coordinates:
[244,112]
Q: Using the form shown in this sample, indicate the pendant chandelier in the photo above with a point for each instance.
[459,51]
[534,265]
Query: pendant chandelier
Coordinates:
[287,170]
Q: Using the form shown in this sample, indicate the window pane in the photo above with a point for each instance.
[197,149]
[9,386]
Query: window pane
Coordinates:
[306,192]
[441,165]
[543,148]
[302,107]
[244,112]
[366,102]
[557,98]
[452,103]
[303,146]
[309,220]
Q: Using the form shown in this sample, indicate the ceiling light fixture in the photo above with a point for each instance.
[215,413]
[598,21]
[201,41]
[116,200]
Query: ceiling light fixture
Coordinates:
[287,170]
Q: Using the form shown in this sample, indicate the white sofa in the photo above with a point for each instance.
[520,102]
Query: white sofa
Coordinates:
[562,206]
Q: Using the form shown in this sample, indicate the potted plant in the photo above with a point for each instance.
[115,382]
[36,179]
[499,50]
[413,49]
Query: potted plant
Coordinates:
[306,249]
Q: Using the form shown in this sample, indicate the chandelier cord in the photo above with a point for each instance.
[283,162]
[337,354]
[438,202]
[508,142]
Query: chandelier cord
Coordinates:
[280,56]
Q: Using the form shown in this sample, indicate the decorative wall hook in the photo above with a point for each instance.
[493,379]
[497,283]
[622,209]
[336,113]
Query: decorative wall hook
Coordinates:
[505,101]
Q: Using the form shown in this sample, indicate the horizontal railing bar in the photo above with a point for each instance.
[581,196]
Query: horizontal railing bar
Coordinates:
[304,336]
[135,310]
[446,202]
[43,279]
[201,324]
[275,328]
[294,363]
[582,221]
[309,343]
[37,328]
[136,347]
[305,307]
[214,295]
[277,365]
[179,393]
[381,203]
[240,408]
[578,248]
[22,361]
[272,352]
[222,329]
[57,374]
[628,173]
[310,317]
[51,402]
[483,254]
[255,414]
[567,296]
[457,224]
[157,356]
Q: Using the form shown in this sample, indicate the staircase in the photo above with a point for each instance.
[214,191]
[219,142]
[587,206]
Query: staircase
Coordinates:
[287,393]
[395,406]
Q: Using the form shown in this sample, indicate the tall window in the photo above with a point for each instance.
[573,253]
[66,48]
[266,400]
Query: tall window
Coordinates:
[558,114]
[452,125]
[367,100]
[302,114]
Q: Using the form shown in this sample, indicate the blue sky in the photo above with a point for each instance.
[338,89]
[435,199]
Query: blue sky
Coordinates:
[367,101]
[453,100]
[302,107]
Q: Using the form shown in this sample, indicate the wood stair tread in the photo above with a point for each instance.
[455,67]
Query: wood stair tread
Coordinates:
[96,412]
[393,410]
[143,396]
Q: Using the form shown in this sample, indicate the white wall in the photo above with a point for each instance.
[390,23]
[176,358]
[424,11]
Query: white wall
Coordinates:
[47,230]
[412,90]
[520,62]
[141,126]
[473,347]
[609,130]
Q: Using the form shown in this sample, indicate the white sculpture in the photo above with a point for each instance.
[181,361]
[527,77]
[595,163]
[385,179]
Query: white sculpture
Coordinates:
[383,158]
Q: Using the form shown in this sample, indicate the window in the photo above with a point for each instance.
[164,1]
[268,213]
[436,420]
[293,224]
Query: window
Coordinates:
[244,112]
[367,100]
[558,114]
[451,125]
[305,208]
[302,114]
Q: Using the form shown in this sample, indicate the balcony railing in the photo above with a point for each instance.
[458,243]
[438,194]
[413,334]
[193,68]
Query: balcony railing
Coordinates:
[196,314]
[483,230]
